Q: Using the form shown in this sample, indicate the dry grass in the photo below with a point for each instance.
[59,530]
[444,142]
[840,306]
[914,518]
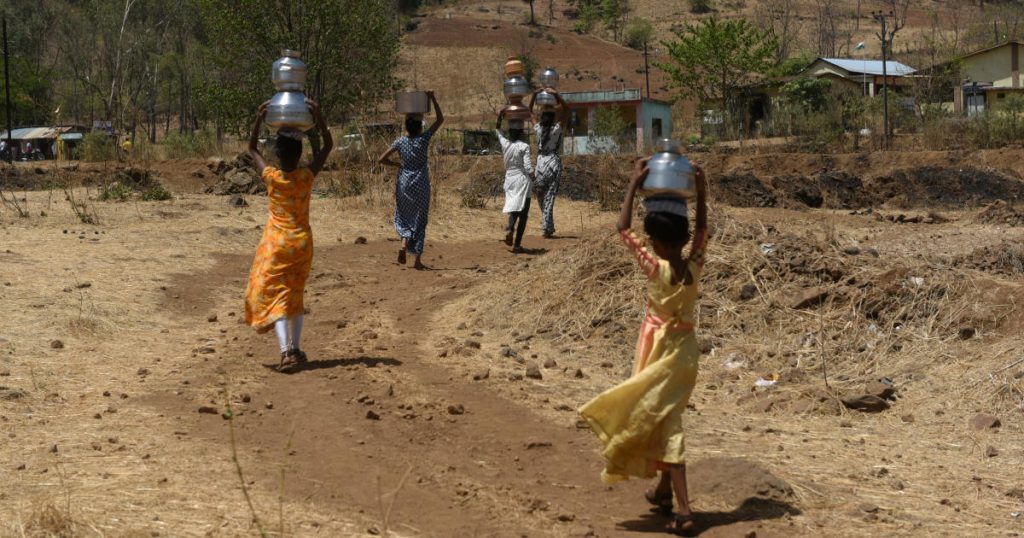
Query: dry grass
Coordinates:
[897,316]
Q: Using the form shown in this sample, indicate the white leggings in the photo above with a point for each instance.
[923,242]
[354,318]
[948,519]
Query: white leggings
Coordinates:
[288,331]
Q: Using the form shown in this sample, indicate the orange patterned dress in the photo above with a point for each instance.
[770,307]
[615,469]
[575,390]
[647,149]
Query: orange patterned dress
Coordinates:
[285,254]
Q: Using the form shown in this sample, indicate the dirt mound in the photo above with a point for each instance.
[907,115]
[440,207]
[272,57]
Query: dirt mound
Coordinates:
[237,176]
[928,186]
[944,186]
[734,481]
[1005,259]
[1000,212]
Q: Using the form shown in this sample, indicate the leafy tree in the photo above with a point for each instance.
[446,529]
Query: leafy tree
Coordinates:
[350,47]
[810,94]
[613,14]
[711,60]
[638,32]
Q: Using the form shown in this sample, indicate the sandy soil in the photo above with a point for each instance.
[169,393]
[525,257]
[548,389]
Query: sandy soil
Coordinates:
[413,419]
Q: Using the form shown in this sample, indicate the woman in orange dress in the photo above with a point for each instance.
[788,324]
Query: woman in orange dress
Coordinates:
[277,279]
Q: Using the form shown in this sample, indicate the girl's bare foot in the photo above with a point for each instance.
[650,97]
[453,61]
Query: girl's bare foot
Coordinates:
[401,257]
[682,524]
[508,239]
[418,265]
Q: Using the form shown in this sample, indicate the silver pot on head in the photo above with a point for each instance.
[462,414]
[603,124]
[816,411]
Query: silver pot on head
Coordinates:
[288,110]
[289,72]
[516,86]
[549,78]
[415,102]
[546,99]
[671,174]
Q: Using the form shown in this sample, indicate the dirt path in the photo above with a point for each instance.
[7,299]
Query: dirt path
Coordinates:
[377,404]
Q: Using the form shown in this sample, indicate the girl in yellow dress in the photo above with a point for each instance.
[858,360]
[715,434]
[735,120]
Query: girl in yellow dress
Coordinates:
[285,254]
[640,420]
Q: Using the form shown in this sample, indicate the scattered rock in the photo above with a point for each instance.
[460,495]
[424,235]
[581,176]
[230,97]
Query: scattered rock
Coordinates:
[966,333]
[810,297]
[246,398]
[991,451]
[142,372]
[566,518]
[868,508]
[4,372]
[984,421]
[533,372]
[237,201]
[84,285]
[56,344]
[206,350]
[370,414]
[578,374]
[883,390]
[360,240]
[480,376]
[208,410]
[456,409]
[909,419]
[607,364]
[550,363]
[868,403]
[269,405]
[851,251]
[515,377]
[508,352]
[472,344]
[748,292]
[9,394]
[538,444]
[211,318]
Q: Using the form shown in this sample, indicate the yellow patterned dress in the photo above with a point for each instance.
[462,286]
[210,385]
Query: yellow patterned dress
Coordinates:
[285,254]
[640,421]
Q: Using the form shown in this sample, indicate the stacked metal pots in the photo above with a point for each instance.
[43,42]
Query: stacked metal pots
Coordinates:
[516,88]
[287,108]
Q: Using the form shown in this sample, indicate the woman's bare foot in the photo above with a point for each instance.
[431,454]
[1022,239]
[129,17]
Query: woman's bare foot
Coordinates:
[401,257]
[508,239]
[418,264]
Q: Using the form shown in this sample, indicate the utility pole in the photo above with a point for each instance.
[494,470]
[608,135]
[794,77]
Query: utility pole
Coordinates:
[879,16]
[647,71]
[7,90]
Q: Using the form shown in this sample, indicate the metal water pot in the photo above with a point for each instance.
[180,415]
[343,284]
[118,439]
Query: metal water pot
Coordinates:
[671,174]
[546,99]
[412,103]
[516,86]
[288,110]
[549,78]
[289,72]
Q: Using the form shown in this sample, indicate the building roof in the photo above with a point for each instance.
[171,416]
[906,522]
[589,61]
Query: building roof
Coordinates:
[626,95]
[36,133]
[869,67]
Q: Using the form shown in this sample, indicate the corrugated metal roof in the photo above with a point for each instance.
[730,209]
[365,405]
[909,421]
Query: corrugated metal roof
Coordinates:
[870,67]
[35,133]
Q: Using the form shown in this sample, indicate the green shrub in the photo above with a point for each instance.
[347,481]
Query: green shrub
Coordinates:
[98,146]
[638,32]
[156,193]
[186,145]
[700,6]
[115,192]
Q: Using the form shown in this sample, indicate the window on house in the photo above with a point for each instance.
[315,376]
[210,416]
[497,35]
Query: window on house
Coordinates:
[1001,96]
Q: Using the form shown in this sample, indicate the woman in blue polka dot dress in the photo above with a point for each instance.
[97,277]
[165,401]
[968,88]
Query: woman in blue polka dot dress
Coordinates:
[412,189]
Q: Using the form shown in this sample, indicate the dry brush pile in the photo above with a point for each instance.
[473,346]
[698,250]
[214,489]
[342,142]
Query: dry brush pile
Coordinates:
[818,317]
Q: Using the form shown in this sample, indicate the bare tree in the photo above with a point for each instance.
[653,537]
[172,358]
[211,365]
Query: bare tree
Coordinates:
[831,39]
[782,19]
